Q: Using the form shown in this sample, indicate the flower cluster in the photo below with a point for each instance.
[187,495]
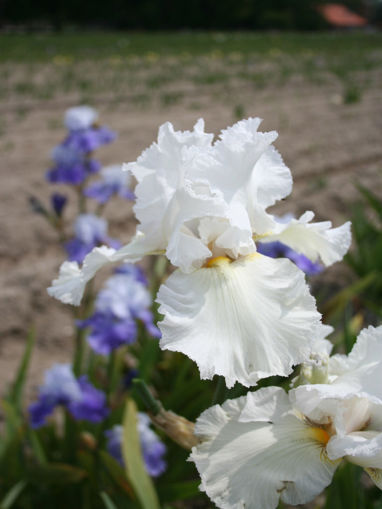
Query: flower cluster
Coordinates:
[124,300]
[89,231]
[61,388]
[271,445]
[204,205]
[72,158]
[153,449]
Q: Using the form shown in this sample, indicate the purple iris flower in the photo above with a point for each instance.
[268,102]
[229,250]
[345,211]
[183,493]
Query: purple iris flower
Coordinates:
[133,270]
[73,163]
[89,232]
[91,406]
[88,140]
[61,387]
[279,250]
[114,181]
[153,449]
[71,166]
[124,300]
[109,333]
[58,202]
[114,443]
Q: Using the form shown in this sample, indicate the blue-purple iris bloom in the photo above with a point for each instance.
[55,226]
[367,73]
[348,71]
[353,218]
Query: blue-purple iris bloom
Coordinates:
[71,166]
[72,161]
[89,139]
[62,388]
[114,181]
[153,449]
[124,300]
[89,231]
[58,202]
[134,271]
[279,250]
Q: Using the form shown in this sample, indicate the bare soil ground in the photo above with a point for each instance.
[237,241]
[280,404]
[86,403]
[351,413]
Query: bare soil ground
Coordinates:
[329,145]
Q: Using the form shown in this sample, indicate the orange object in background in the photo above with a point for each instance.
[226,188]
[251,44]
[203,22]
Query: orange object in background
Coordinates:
[340,16]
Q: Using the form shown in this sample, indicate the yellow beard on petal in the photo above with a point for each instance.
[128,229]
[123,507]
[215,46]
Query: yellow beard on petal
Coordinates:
[217,261]
[320,435]
[220,261]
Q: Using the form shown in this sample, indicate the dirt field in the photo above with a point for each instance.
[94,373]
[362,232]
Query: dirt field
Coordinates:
[329,135]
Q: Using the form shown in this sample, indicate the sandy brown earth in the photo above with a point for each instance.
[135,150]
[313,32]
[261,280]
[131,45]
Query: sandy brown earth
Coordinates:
[328,145]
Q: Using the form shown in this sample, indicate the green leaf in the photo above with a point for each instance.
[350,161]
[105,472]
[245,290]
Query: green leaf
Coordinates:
[12,418]
[337,304]
[179,491]
[13,427]
[109,504]
[132,455]
[346,491]
[56,473]
[36,447]
[12,495]
[116,472]
[16,392]
[372,199]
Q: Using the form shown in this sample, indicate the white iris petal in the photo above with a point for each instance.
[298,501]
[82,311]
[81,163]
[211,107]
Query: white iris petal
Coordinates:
[69,287]
[362,368]
[255,463]
[314,240]
[364,448]
[353,375]
[244,320]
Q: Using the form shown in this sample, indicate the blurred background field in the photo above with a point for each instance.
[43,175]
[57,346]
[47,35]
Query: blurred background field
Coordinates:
[321,91]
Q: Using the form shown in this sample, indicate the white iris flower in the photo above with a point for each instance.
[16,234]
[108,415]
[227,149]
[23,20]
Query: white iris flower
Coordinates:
[270,445]
[235,312]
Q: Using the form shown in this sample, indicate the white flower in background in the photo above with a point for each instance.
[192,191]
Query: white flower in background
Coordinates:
[270,445]
[80,117]
[235,312]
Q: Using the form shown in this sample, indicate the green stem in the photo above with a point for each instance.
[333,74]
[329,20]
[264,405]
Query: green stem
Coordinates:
[80,334]
[79,350]
[111,370]
[81,198]
[100,209]
[219,391]
[70,438]
[153,405]
[160,266]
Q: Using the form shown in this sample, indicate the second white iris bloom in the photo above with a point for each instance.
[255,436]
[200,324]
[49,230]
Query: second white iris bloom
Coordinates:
[271,445]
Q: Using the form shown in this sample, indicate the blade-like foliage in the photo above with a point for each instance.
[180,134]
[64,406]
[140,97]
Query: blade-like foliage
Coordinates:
[132,455]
